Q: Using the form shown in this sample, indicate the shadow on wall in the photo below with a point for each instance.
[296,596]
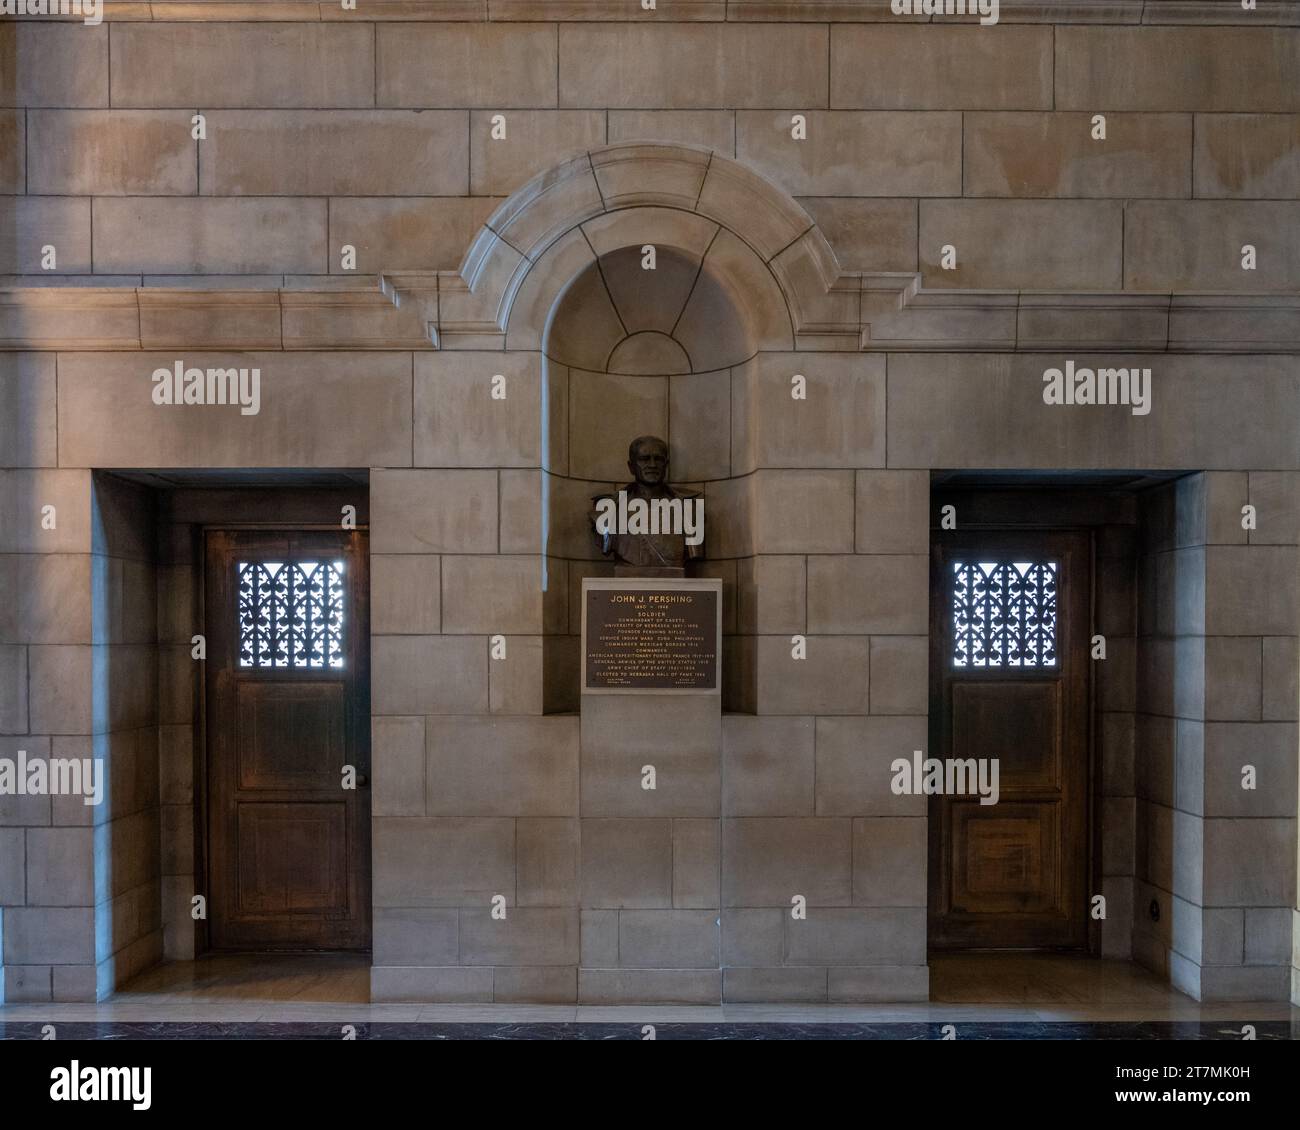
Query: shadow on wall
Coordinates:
[124,731]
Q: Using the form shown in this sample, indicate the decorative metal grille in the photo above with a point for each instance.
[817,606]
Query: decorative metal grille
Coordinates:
[1004,614]
[290,613]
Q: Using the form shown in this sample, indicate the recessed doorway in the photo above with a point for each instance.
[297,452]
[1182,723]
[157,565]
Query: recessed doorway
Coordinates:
[1034,609]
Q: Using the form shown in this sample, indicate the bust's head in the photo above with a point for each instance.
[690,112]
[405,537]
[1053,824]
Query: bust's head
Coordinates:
[647,459]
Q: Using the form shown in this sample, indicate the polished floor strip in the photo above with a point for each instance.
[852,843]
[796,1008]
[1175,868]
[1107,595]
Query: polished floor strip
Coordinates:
[988,996]
[704,1030]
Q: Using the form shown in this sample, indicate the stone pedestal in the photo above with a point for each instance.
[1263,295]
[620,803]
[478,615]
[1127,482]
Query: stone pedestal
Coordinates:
[651,791]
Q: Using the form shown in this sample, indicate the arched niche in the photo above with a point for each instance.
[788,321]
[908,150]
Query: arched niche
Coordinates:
[645,338]
[563,269]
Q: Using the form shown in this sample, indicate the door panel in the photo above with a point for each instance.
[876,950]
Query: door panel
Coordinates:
[287,709]
[291,736]
[1015,722]
[1010,614]
[1004,863]
[292,858]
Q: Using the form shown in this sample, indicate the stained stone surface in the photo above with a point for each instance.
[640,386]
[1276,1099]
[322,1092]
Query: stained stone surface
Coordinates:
[778,259]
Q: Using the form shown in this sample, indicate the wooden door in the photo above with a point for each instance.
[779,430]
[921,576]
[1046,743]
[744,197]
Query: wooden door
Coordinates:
[1009,679]
[288,708]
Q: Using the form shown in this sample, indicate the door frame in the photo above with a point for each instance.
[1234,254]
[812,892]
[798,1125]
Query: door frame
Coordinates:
[202,753]
[1037,511]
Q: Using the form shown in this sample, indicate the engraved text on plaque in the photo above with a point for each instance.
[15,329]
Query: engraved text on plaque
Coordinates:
[651,638]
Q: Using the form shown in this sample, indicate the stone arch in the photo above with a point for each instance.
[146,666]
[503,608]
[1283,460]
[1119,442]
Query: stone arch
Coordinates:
[759,240]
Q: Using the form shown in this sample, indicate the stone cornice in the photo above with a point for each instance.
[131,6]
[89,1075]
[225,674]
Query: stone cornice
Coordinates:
[414,311]
[913,319]
[776,267]
[1158,12]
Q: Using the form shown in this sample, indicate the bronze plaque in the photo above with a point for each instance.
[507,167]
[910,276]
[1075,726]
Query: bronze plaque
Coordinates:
[651,639]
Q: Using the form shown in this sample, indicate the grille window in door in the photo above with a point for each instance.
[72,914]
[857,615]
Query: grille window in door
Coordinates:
[1004,613]
[290,613]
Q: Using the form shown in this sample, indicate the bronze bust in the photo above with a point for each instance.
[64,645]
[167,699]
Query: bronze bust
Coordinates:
[649,528]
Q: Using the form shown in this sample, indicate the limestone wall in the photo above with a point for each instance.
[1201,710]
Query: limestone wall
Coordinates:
[374,130]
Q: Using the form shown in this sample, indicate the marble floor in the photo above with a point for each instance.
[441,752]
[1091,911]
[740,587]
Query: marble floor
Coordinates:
[1017,992]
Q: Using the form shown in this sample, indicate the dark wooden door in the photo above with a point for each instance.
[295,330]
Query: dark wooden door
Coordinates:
[1010,655]
[288,709]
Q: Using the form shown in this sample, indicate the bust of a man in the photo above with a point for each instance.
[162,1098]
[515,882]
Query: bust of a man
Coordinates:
[648,527]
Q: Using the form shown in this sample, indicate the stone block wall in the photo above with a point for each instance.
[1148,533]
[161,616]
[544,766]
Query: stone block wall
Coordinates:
[80,885]
[798,809]
[180,618]
[1115,703]
[124,678]
[47,872]
[836,597]
[1216,861]
[476,792]
[374,128]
